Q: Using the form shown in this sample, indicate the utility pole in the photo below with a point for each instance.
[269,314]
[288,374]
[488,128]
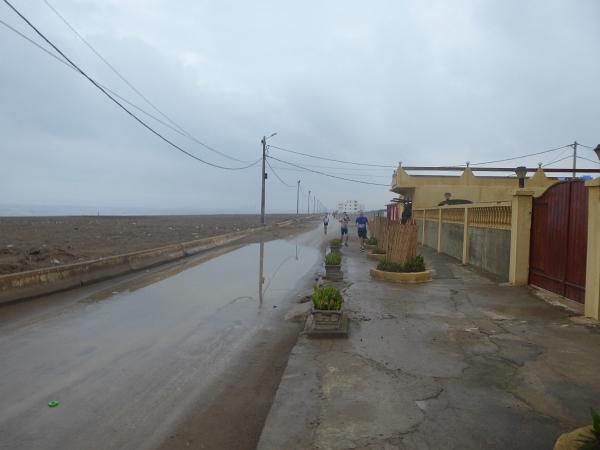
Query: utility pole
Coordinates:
[308,209]
[314,202]
[298,198]
[574,158]
[264,177]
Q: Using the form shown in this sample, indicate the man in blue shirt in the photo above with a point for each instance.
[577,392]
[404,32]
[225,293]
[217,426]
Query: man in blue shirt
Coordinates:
[362,224]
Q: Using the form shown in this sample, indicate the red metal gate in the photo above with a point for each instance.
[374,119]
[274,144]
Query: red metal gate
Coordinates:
[559,225]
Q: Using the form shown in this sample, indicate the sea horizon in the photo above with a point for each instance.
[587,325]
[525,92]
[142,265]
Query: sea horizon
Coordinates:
[20,210]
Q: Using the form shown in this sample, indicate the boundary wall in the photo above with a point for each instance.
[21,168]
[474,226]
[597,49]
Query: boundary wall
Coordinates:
[476,234]
[35,283]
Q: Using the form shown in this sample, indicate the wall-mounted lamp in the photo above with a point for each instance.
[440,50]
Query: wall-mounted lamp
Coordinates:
[521,172]
[400,163]
[597,150]
[447,195]
[540,165]
[468,163]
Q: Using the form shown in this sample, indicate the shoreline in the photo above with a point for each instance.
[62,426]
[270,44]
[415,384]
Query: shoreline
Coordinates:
[41,242]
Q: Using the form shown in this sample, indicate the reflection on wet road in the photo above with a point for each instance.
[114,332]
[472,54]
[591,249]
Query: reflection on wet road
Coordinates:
[125,365]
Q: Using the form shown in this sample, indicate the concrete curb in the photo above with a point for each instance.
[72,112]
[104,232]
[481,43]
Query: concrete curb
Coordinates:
[401,277]
[35,283]
[376,256]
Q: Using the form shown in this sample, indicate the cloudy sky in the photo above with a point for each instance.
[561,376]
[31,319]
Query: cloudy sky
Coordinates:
[372,82]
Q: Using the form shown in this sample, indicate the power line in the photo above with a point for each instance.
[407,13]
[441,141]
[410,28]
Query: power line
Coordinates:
[562,159]
[119,104]
[581,157]
[114,93]
[278,175]
[334,160]
[185,133]
[327,175]
[519,157]
[337,173]
[581,145]
[302,191]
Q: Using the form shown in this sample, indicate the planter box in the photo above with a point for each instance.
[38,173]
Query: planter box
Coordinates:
[326,320]
[333,272]
[401,277]
[369,246]
[335,249]
[376,256]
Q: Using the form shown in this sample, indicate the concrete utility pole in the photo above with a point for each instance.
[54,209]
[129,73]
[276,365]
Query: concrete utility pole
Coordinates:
[314,202]
[298,198]
[308,209]
[264,177]
[574,158]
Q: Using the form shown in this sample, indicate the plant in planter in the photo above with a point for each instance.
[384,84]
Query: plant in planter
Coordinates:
[417,264]
[333,265]
[379,251]
[327,308]
[335,245]
[333,259]
[371,241]
[593,444]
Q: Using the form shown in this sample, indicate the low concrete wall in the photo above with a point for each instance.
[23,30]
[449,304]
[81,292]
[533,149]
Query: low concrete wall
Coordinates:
[431,234]
[35,283]
[452,239]
[489,249]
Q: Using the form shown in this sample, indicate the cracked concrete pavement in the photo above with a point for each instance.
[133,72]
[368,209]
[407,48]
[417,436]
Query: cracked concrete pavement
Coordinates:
[462,362]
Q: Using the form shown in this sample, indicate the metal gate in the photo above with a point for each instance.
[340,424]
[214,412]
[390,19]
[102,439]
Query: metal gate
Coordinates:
[559,225]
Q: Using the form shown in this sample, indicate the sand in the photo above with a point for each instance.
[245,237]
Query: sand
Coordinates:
[30,243]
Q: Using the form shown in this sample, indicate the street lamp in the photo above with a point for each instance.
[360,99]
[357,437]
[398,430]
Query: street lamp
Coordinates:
[264,177]
[597,150]
[521,172]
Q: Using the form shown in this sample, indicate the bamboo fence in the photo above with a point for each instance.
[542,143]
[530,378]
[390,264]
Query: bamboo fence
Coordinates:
[401,241]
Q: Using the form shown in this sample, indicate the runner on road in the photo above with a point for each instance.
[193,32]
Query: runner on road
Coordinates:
[344,227]
[326,222]
[362,224]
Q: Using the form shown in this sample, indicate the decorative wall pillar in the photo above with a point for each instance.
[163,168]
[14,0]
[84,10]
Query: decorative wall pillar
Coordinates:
[520,236]
[592,274]
[465,255]
[439,249]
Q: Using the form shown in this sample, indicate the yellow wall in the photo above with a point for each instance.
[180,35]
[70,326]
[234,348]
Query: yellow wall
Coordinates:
[429,191]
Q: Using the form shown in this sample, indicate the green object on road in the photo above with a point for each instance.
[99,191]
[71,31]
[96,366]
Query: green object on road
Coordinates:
[53,403]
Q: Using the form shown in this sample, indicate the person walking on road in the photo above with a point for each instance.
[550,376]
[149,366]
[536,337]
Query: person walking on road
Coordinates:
[326,222]
[361,225]
[344,227]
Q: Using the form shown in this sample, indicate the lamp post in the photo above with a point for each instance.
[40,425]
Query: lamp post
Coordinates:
[264,177]
[521,172]
[298,198]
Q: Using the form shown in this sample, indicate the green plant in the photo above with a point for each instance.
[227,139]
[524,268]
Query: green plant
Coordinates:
[417,264]
[389,266]
[327,298]
[333,259]
[335,243]
[371,241]
[593,444]
[379,251]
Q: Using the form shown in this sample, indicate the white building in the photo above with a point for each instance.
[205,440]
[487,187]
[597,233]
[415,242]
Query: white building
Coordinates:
[350,206]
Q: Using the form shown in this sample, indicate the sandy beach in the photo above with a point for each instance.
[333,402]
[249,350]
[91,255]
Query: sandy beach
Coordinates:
[30,243]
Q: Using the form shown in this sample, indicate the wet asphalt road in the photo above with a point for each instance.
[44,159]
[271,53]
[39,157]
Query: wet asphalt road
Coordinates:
[127,363]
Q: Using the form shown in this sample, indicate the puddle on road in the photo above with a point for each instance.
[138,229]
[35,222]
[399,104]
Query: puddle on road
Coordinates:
[259,274]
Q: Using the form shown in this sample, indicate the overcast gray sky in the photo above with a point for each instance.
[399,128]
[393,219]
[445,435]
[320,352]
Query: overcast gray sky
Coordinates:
[373,82]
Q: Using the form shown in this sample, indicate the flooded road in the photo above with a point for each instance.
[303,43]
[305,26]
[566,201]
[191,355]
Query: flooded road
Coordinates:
[126,365]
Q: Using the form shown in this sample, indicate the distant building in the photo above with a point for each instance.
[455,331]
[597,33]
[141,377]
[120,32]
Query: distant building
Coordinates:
[350,206]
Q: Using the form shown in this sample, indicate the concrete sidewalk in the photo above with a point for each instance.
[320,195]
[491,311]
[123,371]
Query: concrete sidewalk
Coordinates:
[461,362]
